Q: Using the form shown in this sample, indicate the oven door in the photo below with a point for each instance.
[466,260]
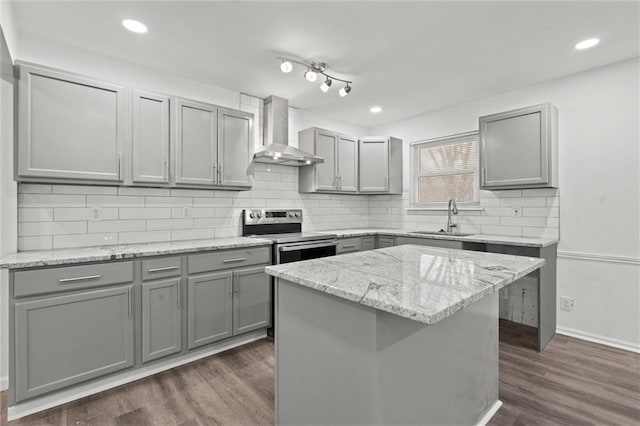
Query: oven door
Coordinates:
[294,252]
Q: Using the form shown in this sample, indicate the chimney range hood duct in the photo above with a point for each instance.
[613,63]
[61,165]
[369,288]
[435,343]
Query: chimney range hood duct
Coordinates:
[276,137]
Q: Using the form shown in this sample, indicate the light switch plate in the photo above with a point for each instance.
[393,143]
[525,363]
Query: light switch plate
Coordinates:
[566,303]
[186,212]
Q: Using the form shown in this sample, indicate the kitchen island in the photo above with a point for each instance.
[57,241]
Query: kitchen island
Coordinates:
[401,335]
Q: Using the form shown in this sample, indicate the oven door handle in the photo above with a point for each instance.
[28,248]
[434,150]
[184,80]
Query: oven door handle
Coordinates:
[308,246]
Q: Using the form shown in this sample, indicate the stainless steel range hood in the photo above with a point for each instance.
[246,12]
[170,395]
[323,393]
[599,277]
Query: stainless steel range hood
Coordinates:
[276,137]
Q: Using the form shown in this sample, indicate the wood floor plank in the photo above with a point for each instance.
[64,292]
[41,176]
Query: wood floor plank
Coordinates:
[572,382]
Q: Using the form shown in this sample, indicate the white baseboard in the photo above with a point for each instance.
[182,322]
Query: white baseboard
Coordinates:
[80,391]
[4,383]
[490,413]
[603,340]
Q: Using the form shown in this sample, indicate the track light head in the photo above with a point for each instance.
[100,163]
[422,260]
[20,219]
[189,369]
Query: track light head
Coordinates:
[310,75]
[345,90]
[286,66]
[326,85]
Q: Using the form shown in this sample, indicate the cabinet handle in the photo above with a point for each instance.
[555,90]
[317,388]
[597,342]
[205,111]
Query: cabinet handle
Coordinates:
[215,172]
[240,259]
[166,169]
[129,300]
[386,183]
[75,279]
[178,296]
[484,175]
[349,246]
[119,167]
[166,268]
[220,173]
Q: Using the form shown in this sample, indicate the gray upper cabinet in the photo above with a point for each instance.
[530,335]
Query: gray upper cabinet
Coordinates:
[235,147]
[210,308]
[338,173]
[68,339]
[347,163]
[69,127]
[196,143]
[161,319]
[252,300]
[149,138]
[380,165]
[519,149]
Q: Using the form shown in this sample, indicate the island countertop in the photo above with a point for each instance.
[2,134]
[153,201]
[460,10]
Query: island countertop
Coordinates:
[425,284]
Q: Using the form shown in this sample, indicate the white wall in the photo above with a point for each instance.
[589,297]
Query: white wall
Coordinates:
[599,247]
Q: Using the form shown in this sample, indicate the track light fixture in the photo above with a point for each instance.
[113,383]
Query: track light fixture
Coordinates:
[345,90]
[286,66]
[311,74]
[326,85]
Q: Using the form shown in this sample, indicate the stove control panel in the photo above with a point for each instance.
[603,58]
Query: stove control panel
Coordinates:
[271,216]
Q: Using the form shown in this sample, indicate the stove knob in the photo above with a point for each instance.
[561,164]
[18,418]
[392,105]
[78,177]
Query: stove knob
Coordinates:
[259,215]
[290,214]
[251,215]
[297,214]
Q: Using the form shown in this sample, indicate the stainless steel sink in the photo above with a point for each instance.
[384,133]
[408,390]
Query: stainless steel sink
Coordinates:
[451,234]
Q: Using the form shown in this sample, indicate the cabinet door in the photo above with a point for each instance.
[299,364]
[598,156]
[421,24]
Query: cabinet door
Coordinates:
[69,127]
[252,301]
[347,163]
[235,146]
[386,242]
[196,143]
[64,340]
[161,319]
[210,308]
[149,138]
[368,243]
[514,148]
[326,143]
[374,165]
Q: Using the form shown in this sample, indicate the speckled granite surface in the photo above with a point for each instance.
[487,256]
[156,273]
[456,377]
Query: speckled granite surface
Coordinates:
[425,284]
[31,259]
[475,238]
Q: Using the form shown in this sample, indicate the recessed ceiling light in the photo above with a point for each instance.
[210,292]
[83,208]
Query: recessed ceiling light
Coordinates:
[134,26]
[588,43]
[375,109]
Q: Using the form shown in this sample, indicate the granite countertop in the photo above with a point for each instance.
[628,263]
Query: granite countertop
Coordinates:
[425,284]
[36,258]
[475,238]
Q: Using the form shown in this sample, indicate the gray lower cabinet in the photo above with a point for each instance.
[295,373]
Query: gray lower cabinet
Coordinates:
[252,300]
[368,243]
[432,242]
[349,245]
[161,319]
[69,127]
[68,339]
[210,308]
[382,242]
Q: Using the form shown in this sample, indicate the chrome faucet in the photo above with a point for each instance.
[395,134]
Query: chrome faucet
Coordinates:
[452,209]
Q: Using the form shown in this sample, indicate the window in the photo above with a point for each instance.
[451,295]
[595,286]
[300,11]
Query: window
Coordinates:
[443,169]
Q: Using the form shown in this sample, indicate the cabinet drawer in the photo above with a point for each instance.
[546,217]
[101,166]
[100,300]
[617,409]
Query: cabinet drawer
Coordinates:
[386,242]
[228,259]
[349,245]
[161,268]
[368,243]
[52,280]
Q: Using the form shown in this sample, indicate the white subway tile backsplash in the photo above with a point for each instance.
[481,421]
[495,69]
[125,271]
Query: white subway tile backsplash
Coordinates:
[33,188]
[143,237]
[38,214]
[158,192]
[62,214]
[43,242]
[158,224]
[27,229]
[539,222]
[51,200]
[145,213]
[115,201]
[541,211]
[193,234]
[84,189]
[84,240]
[168,201]
[116,226]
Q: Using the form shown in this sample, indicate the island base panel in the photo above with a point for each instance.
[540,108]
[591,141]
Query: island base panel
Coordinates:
[340,362]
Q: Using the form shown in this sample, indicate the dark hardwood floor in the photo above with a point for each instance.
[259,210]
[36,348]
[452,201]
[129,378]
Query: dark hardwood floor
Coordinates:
[571,382]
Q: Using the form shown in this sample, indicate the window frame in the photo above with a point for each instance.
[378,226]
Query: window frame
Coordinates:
[414,171]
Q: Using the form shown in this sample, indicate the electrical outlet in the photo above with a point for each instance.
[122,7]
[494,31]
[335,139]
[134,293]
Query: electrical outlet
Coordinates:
[566,303]
[95,214]
[516,211]
[186,212]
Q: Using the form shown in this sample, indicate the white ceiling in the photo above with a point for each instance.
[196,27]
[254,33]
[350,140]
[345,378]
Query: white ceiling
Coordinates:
[407,58]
